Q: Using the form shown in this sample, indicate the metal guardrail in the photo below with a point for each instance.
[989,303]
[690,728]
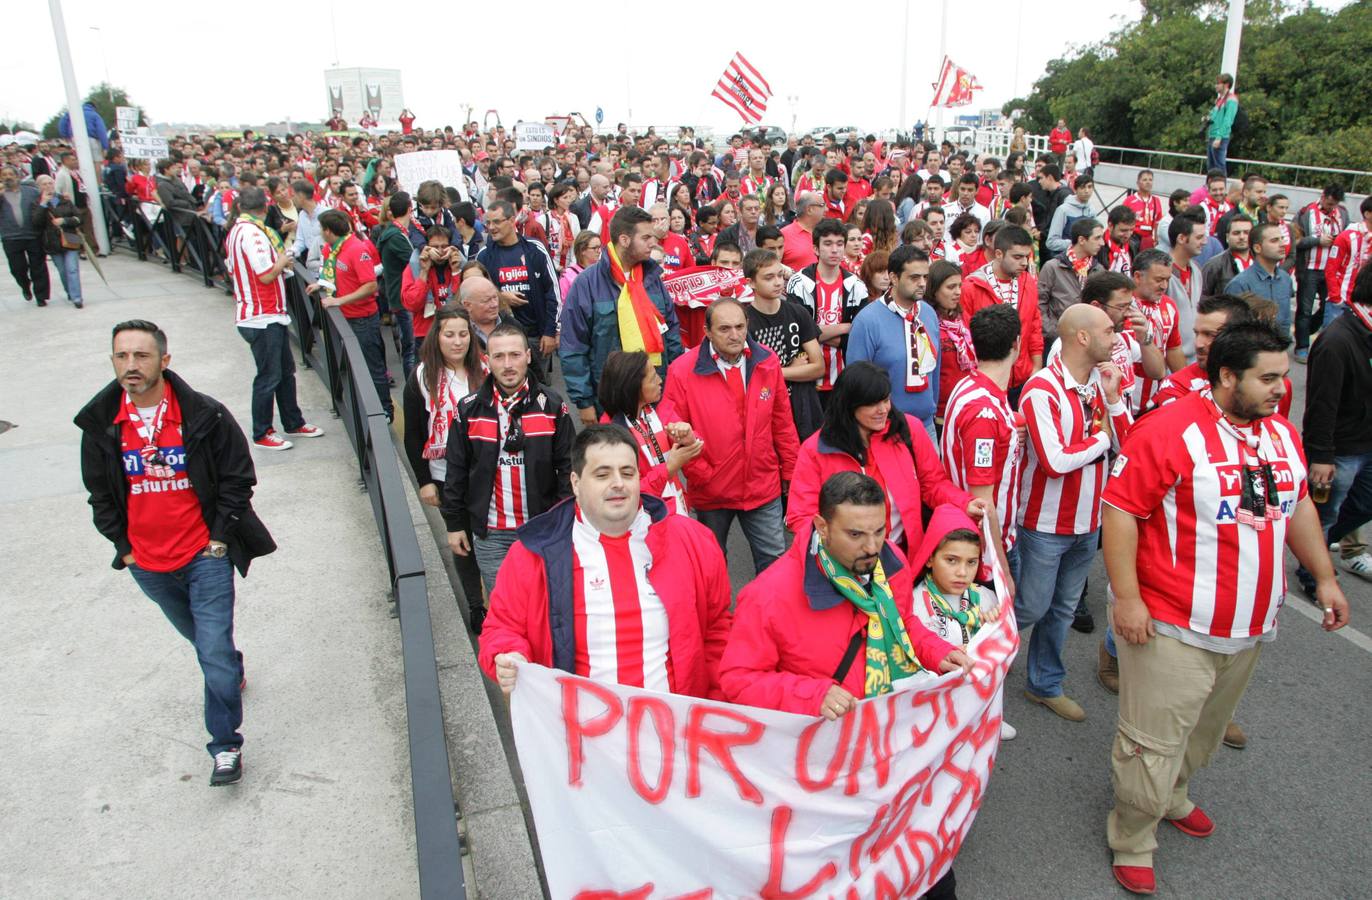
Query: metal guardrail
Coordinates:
[438,850]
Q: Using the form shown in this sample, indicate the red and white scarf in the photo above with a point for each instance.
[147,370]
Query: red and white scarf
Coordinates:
[653,443]
[955,331]
[451,388]
[920,359]
[1006,291]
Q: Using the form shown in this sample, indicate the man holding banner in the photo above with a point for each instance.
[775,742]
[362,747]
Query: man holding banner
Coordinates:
[611,585]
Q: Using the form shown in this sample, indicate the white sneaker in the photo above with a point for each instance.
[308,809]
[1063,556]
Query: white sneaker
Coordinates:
[1007,731]
[1360,565]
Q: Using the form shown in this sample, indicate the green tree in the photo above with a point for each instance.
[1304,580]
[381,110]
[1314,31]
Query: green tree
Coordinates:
[1302,83]
[105,98]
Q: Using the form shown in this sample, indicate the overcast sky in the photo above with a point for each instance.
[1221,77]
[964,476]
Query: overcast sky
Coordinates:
[182,63]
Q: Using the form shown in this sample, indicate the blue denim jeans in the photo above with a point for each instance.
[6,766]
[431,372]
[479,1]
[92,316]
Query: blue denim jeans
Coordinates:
[275,379]
[1216,157]
[68,264]
[368,332]
[1053,570]
[764,528]
[198,600]
[402,333]
[1350,502]
[1311,287]
[490,552]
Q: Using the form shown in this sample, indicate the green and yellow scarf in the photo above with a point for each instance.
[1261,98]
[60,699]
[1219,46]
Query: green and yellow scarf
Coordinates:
[970,620]
[890,654]
[271,234]
[329,260]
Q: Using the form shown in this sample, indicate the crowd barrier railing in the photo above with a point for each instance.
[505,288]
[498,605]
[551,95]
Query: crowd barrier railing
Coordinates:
[438,849]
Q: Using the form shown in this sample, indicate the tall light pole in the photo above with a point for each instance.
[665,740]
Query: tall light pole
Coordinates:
[105,60]
[904,64]
[1233,34]
[79,136]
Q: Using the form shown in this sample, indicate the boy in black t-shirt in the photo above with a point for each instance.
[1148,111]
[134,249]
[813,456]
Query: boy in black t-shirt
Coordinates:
[789,331]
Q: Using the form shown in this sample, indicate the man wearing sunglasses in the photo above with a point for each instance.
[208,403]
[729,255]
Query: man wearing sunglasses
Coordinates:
[509,455]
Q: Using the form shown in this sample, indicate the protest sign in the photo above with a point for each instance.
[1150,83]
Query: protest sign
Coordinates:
[651,796]
[445,166]
[534,136]
[697,286]
[126,119]
[143,146]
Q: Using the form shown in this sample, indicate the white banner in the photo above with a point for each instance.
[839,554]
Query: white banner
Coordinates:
[534,136]
[651,796]
[413,169]
[126,119]
[140,146]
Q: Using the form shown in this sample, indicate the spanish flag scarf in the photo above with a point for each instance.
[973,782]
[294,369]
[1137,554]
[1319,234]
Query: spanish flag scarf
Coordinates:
[640,323]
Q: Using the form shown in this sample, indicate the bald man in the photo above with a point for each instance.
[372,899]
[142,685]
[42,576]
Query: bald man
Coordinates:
[596,195]
[799,249]
[1075,415]
[481,299]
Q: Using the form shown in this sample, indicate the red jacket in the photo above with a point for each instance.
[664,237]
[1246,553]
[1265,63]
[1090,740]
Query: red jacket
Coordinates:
[1058,139]
[415,293]
[531,608]
[909,481]
[977,294]
[793,629]
[748,459]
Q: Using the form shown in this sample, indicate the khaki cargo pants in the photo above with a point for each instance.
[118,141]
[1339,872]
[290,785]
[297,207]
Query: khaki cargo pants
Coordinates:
[1175,701]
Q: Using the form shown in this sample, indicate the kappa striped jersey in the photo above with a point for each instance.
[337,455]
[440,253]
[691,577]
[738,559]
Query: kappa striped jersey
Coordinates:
[981,446]
[620,622]
[1199,568]
[1346,256]
[249,255]
[1164,330]
[1064,472]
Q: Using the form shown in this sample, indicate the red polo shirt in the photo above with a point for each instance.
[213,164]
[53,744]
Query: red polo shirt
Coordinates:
[799,249]
[355,267]
[166,525]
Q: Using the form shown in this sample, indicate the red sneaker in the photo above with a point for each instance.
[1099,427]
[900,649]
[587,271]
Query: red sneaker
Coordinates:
[307,431]
[1195,823]
[1136,879]
[272,441]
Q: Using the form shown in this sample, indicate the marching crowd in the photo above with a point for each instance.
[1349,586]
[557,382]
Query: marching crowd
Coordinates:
[910,348]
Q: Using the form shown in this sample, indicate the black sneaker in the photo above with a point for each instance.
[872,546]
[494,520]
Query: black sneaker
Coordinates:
[28,293]
[478,619]
[228,767]
[42,303]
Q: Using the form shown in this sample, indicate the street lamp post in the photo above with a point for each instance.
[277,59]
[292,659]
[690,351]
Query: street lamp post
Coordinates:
[105,60]
[79,136]
[1233,34]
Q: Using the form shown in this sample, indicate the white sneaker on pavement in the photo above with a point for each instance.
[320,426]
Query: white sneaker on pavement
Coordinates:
[1360,565]
[1007,731]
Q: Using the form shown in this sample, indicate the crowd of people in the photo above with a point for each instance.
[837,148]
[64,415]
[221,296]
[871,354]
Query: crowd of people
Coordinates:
[921,347]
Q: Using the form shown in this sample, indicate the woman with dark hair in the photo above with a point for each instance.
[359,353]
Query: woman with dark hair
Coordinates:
[907,197]
[777,210]
[680,195]
[1015,164]
[450,367]
[963,239]
[562,227]
[679,222]
[863,433]
[944,293]
[630,393]
[879,230]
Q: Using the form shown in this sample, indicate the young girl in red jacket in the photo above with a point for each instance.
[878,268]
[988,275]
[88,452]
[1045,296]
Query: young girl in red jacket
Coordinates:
[948,599]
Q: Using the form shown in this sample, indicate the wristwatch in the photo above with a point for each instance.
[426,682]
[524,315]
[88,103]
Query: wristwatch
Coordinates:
[216,551]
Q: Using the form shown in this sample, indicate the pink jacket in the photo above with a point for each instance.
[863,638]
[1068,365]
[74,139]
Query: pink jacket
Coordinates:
[910,482]
[747,459]
[791,629]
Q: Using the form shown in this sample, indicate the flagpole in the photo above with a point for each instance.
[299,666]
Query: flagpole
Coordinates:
[904,64]
[942,53]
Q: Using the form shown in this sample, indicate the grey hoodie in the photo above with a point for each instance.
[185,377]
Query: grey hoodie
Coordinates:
[1060,231]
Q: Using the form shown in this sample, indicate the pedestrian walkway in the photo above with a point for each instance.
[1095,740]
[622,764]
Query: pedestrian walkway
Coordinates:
[104,777]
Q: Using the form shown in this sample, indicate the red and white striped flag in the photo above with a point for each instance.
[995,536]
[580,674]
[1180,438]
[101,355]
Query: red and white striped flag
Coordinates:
[954,86]
[743,89]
